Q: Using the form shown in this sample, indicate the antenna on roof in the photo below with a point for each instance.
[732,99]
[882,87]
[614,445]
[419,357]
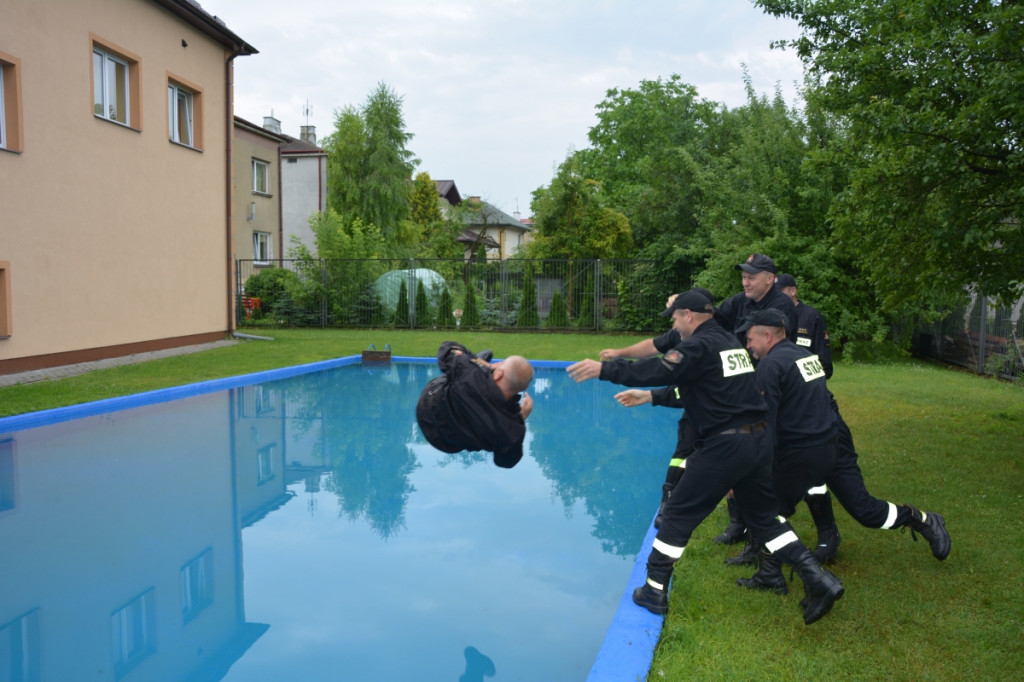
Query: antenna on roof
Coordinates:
[307,111]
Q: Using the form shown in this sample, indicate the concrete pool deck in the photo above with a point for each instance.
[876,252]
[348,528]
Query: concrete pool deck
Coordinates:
[628,647]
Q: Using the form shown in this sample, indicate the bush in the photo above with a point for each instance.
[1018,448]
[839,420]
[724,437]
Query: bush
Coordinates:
[270,286]
[558,318]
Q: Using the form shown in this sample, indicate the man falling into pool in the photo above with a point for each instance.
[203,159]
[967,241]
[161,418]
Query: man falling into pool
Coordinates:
[476,405]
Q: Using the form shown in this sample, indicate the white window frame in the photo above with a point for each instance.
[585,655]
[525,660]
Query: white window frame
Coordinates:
[102,91]
[132,633]
[256,165]
[197,585]
[178,98]
[262,239]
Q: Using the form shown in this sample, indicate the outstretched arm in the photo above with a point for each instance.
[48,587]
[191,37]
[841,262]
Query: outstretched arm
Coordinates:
[633,397]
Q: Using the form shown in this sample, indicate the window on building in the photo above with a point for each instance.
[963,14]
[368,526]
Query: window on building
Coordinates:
[184,112]
[265,464]
[196,585]
[179,105]
[110,87]
[132,633]
[260,176]
[261,247]
[19,648]
[6,320]
[7,501]
[115,85]
[10,103]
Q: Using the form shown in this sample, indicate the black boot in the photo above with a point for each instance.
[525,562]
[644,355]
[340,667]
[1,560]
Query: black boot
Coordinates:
[736,531]
[666,492]
[653,594]
[828,545]
[768,577]
[825,522]
[485,355]
[933,528]
[748,556]
[822,589]
[651,598]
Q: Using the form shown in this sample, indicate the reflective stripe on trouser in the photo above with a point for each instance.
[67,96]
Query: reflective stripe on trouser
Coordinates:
[818,490]
[662,558]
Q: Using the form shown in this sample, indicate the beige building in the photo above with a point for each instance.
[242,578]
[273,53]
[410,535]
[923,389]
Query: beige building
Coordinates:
[257,162]
[116,231]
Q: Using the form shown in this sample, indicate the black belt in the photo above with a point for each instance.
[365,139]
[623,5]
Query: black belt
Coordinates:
[746,428]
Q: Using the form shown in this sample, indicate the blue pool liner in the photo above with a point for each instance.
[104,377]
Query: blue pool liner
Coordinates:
[628,647]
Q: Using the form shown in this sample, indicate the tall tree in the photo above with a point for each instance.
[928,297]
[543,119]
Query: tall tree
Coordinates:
[571,219]
[930,91]
[644,149]
[369,167]
[424,203]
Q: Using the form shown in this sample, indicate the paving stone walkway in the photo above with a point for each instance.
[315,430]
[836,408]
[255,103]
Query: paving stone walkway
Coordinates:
[51,373]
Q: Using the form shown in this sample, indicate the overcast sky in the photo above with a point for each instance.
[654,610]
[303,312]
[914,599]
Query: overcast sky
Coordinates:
[495,92]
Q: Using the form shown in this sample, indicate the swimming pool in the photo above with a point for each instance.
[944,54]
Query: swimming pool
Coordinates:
[294,525]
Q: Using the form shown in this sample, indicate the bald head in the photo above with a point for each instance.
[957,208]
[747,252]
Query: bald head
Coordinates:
[517,373]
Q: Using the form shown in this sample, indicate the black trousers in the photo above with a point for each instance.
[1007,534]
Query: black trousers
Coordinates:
[741,462]
[846,482]
[796,470]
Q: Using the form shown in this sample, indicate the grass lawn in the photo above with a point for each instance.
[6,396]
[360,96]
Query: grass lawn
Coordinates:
[934,437]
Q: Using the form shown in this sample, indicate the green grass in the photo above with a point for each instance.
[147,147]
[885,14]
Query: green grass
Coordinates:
[937,438]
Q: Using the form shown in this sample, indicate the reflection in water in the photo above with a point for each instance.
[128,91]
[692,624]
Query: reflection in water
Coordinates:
[123,534]
[478,666]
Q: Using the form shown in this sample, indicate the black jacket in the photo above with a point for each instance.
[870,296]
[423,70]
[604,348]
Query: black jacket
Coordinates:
[463,409]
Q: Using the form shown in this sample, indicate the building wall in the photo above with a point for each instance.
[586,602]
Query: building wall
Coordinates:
[255,211]
[304,192]
[115,236]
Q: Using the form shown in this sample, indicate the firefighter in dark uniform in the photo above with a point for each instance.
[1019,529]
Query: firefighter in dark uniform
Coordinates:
[846,480]
[800,418]
[812,334]
[686,435]
[715,379]
[476,405]
[759,293]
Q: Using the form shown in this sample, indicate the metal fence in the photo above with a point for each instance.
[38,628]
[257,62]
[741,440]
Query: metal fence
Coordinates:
[978,335]
[513,294]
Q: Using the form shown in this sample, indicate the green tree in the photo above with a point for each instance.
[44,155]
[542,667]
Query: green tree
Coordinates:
[424,203]
[369,168]
[930,92]
[423,316]
[572,221]
[646,145]
[402,307]
[558,316]
[528,316]
[471,311]
[445,319]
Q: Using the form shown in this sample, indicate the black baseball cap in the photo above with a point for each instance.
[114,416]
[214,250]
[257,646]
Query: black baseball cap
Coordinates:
[784,280]
[770,317]
[757,262]
[693,300]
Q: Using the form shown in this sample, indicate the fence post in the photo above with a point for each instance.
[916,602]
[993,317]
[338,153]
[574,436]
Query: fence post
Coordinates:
[323,293]
[598,289]
[982,318]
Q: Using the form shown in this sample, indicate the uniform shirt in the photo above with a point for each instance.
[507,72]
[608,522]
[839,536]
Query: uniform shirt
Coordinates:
[792,381]
[812,334]
[712,373]
[463,409]
[734,310]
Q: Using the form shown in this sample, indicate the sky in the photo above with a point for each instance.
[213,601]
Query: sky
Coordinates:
[495,93]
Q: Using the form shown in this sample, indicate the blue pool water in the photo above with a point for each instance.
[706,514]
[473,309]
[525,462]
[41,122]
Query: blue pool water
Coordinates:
[296,526]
